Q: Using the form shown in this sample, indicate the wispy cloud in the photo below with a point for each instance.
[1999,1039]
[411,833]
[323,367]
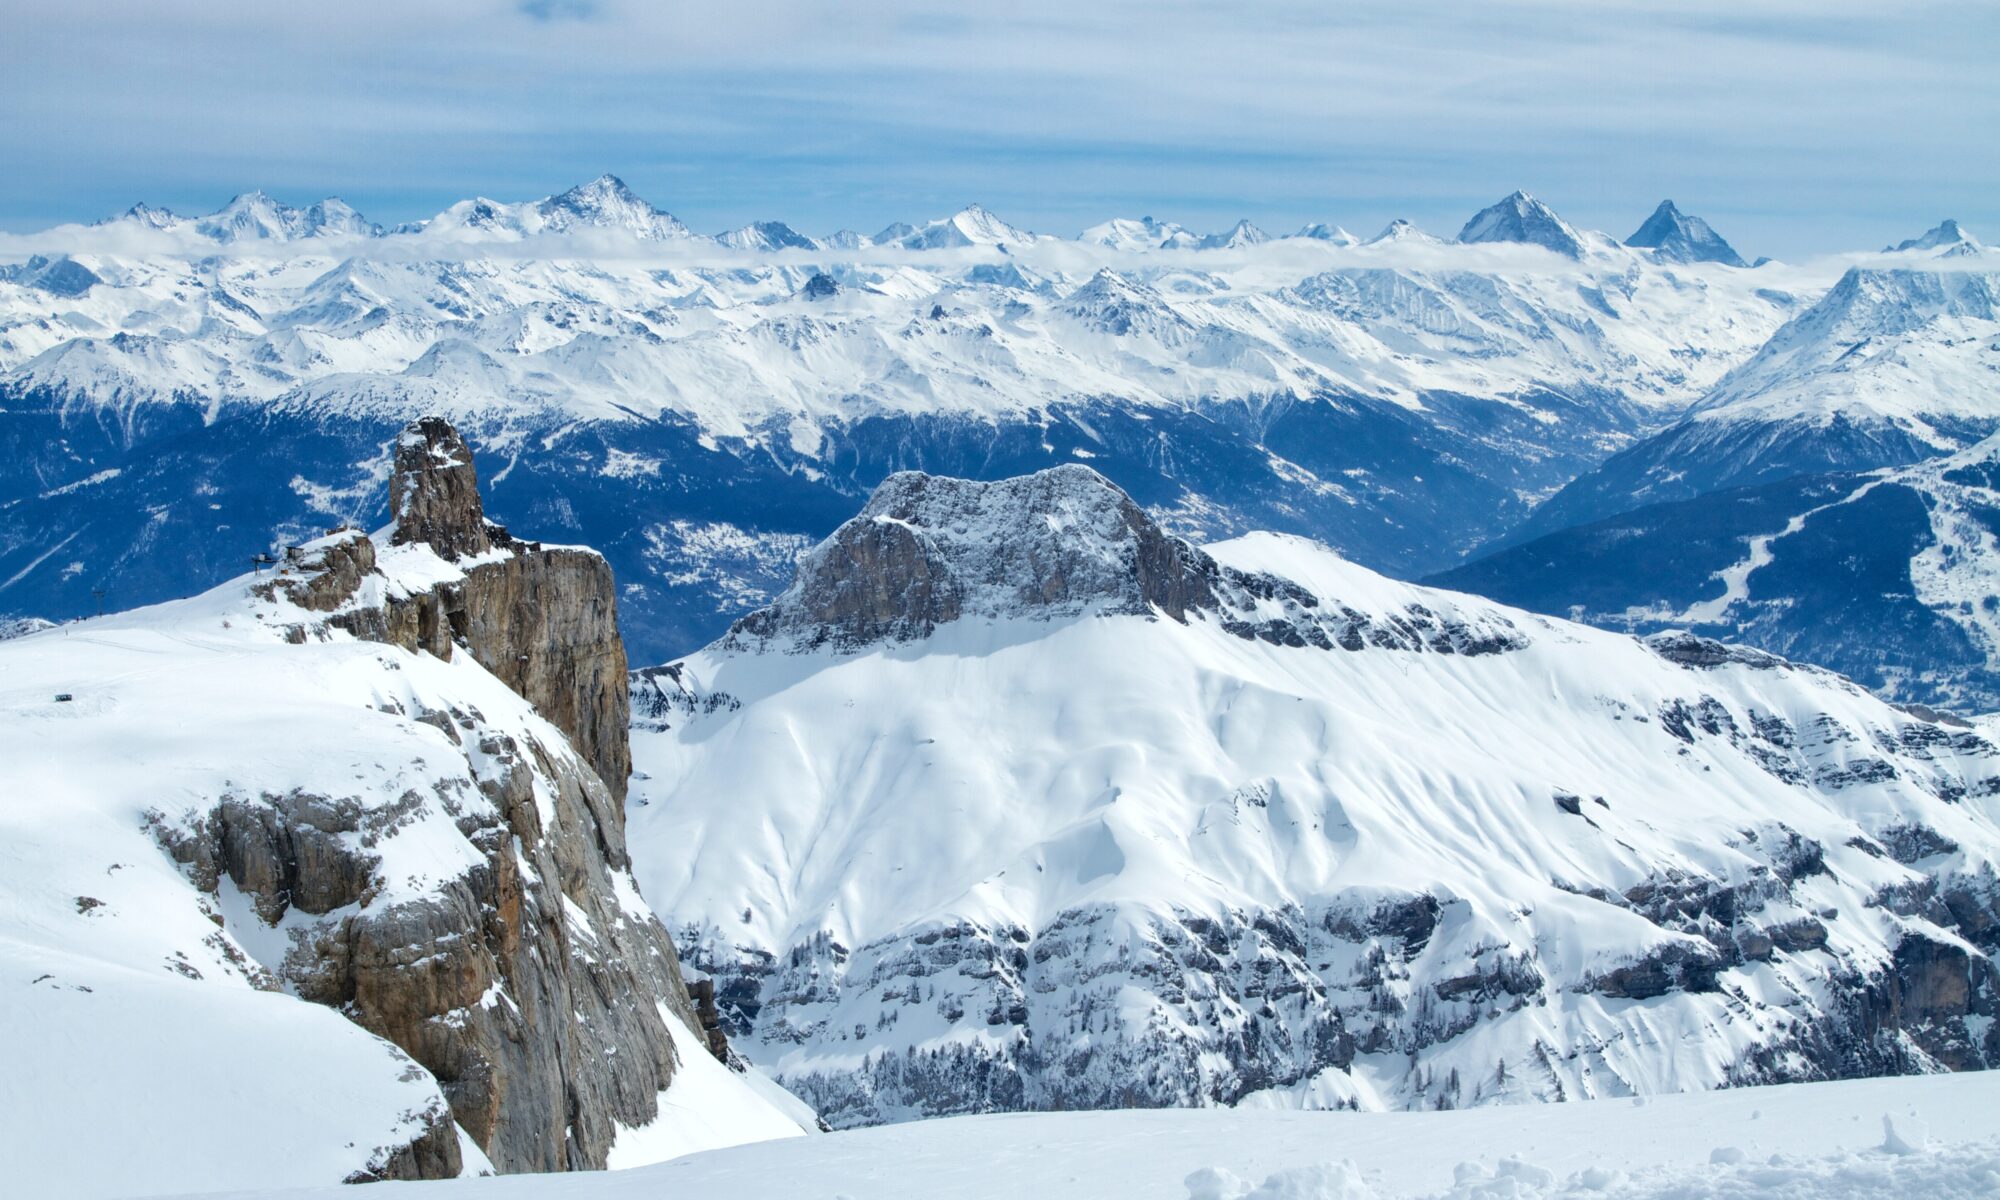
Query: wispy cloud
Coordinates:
[558,10]
[1792,126]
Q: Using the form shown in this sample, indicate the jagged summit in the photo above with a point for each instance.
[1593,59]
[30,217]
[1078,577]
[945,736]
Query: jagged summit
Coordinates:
[1674,236]
[146,216]
[255,216]
[1114,304]
[1522,218]
[434,493]
[60,276]
[606,203]
[1948,237]
[927,550]
[821,286]
[1065,542]
[1243,233]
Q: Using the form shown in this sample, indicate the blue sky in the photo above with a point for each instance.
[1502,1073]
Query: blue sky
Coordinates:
[1794,127]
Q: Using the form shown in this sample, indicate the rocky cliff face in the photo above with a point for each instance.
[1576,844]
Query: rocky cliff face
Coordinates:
[929,550]
[545,620]
[530,981]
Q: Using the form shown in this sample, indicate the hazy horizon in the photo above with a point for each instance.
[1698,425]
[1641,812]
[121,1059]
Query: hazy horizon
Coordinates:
[1794,128]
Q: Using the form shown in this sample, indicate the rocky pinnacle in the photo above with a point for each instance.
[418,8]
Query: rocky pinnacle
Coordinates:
[434,492]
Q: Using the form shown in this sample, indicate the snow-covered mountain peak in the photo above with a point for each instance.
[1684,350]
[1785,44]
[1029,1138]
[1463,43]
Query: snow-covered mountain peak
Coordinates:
[606,203]
[1522,218]
[1674,236]
[1113,303]
[1947,238]
[970,226]
[147,216]
[1123,233]
[1400,230]
[256,216]
[1241,234]
[928,551]
[1858,350]
[1332,834]
[766,236]
[1320,231]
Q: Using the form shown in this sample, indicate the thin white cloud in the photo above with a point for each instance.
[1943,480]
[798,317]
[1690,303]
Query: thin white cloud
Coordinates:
[1793,126]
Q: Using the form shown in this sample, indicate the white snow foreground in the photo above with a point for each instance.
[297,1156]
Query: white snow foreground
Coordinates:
[153,1038]
[1334,841]
[1931,1138]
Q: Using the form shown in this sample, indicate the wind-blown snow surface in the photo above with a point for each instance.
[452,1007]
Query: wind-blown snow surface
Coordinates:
[1476,857]
[1930,1139]
[147,1046]
[169,396]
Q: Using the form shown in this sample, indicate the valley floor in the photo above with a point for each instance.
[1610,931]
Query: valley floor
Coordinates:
[1935,1136]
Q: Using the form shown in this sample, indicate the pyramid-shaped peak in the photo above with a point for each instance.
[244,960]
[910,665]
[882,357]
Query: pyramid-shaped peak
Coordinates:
[1675,236]
[606,202]
[1522,218]
[1946,235]
[1243,233]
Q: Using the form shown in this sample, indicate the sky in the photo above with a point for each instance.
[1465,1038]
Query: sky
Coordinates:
[1794,126]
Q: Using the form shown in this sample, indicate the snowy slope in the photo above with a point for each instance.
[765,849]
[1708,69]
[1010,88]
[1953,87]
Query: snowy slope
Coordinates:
[971,820]
[1888,576]
[1819,1141]
[160,1035]
[1893,365]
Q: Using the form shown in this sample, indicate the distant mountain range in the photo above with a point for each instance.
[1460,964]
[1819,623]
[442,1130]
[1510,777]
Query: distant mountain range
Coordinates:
[176,393]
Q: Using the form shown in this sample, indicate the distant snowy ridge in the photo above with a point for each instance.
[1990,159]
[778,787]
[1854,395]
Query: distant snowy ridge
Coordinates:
[1031,822]
[1406,400]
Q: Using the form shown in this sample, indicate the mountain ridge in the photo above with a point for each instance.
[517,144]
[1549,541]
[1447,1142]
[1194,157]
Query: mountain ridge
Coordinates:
[1179,851]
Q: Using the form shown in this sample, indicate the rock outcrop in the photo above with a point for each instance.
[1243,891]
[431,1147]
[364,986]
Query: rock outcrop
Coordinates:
[532,983]
[929,550]
[543,619]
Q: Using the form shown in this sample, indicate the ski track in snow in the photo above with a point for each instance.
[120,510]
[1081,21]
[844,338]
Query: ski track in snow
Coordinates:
[1736,577]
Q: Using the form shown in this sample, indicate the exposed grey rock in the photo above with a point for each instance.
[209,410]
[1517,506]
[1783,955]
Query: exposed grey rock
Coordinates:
[434,493]
[526,986]
[1675,236]
[1062,543]
[544,620]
